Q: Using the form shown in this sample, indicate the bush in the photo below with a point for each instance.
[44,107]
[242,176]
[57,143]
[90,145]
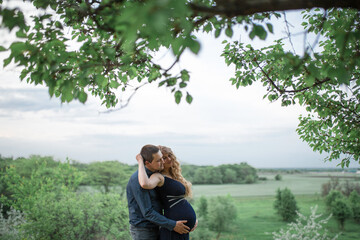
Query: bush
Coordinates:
[285,204]
[78,216]
[278,177]
[9,227]
[354,200]
[221,214]
[250,179]
[331,197]
[305,228]
[202,207]
[216,214]
[341,211]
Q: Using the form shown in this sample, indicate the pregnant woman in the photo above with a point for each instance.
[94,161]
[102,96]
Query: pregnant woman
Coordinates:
[172,189]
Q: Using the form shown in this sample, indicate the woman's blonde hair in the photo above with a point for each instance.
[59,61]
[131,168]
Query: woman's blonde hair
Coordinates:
[175,170]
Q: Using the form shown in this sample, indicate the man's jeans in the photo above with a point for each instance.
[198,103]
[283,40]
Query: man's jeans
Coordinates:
[143,233]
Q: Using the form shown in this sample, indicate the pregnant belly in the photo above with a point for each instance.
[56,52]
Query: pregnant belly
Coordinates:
[182,211]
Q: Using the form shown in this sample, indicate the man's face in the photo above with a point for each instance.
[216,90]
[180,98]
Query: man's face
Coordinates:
[157,163]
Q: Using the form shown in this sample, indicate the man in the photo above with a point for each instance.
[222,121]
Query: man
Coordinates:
[145,211]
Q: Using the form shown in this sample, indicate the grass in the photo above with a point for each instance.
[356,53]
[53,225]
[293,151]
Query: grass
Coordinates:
[299,184]
[257,218]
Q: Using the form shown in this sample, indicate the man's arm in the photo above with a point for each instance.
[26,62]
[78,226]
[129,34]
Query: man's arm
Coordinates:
[142,198]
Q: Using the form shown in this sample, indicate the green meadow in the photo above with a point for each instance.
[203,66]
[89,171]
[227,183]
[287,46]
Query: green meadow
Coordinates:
[257,218]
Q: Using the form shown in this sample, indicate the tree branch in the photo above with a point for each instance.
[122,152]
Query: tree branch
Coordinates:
[248,7]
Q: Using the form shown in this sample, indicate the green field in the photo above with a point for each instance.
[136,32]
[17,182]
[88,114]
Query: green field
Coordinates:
[256,216]
[304,183]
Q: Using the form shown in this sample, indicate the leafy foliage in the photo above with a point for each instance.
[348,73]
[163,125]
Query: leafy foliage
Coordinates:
[78,216]
[341,211]
[331,197]
[9,226]
[324,79]
[225,173]
[278,177]
[116,42]
[216,214]
[52,209]
[107,174]
[24,191]
[285,205]
[354,200]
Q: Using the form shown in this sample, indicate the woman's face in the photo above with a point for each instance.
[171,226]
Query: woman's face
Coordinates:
[167,160]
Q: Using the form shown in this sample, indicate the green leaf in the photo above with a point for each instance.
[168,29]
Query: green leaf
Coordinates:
[259,31]
[182,84]
[208,27]
[270,27]
[21,34]
[2,49]
[110,52]
[194,46]
[114,84]
[7,60]
[217,32]
[229,32]
[82,97]
[189,98]
[17,47]
[185,75]
[178,96]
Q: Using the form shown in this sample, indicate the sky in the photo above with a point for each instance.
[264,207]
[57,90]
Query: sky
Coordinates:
[222,125]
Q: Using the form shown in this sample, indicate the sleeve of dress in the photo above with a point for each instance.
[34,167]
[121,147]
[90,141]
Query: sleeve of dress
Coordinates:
[142,198]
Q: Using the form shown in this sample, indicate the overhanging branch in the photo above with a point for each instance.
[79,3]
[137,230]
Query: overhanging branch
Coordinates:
[248,7]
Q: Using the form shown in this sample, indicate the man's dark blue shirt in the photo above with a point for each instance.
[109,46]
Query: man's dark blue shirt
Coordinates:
[145,209]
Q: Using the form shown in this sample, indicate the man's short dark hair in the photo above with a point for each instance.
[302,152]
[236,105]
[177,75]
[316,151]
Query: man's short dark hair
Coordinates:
[147,152]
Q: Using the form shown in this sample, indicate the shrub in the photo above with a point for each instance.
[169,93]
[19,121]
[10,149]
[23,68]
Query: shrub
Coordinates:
[9,227]
[201,233]
[202,207]
[278,177]
[310,227]
[341,211]
[285,204]
[221,214]
[77,216]
[44,179]
[250,179]
[331,197]
[354,200]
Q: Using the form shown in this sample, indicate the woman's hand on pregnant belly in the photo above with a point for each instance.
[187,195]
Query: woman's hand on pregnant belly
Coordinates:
[196,223]
[180,227]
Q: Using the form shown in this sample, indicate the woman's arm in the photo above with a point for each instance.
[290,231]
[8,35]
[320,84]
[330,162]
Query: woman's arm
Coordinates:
[155,179]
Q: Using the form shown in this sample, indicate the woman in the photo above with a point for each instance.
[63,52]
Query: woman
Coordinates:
[172,189]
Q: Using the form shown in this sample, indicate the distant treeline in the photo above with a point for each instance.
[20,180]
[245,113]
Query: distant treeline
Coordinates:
[108,174]
[226,173]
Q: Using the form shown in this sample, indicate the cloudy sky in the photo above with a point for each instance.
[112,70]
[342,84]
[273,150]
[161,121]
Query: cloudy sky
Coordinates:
[222,125]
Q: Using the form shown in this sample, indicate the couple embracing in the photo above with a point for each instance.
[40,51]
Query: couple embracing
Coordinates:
[156,197]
